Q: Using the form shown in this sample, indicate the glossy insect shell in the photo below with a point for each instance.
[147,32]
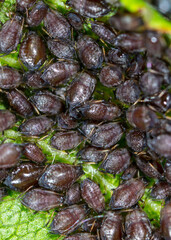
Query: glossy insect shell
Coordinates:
[34,80]
[81,236]
[161,190]
[135,139]
[7,119]
[41,200]
[92,195]
[75,20]
[9,78]
[73,195]
[59,177]
[9,155]
[33,153]
[92,154]
[165,221]
[130,172]
[66,220]
[67,122]
[32,51]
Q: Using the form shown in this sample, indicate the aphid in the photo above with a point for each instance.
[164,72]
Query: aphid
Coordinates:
[89,8]
[103,31]
[81,236]
[73,195]
[106,135]
[92,195]
[22,6]
[137,226]
[32,51]
[81,89]
[41,200]
[33,153]
[161,190]
[9,78]
[56,25]
[127,194]
[60,72]
[75,20]
[23,176]
[19,102]
[91,154]
[117,56]
[37,14]
[7,119]
[128,92]
[168,171]
[89,52]
[92,225]
[61,49]
[126,22]
[10,34]
[153,44]
[150,83]
[67,122]
[88,128]
[111,76]
[111,228]
[59,177]
[9,155]
[3,174]
[130,42]
[34,80]
[141,117]
[147,166]
[36,126]
[66,220]
[130,172]
[135,139]
[47,103]
[100,111]
[136,67]
[66,140]
[162,102]
[117,161]
[165,221]
[3,192]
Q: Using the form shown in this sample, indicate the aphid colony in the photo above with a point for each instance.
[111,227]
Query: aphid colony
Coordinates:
[127,133]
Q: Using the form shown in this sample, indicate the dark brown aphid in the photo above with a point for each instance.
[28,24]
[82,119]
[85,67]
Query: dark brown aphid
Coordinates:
[126,22]
[3,174]
[136,67]
[75,20]
[9,78]
[165,221]
[130,42]
[106,135]
[117,161]
[92,154]
[89,8]
[23,176]
[66,140]
[73,195]
[161,190]
[19,102]
[130,172]
[9,155]
[34,80]
[147,166]
[57,25]
[42,200]
[89,52]
[66,220]
[59,177]
[36,126]
[33,153]
[111,228]
[111,76]
[67,122]
[117,56]
[60,72]
[61,49]
[92,195]
[7,119]
[168,171]
[92,225]
[141,117]
[128,92]
[150,83]
[153,44]
[47,103]
[10,34]
[100,111]
[37,14]
[3,192]
[103,31]
[32,51]
[81,89]
[136,140]
[23,5]
[81,236]
[137,226]
[127,194]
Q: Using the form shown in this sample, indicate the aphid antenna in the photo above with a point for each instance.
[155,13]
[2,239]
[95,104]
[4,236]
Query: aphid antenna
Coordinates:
[20,196]
[46,225]
[44,30]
